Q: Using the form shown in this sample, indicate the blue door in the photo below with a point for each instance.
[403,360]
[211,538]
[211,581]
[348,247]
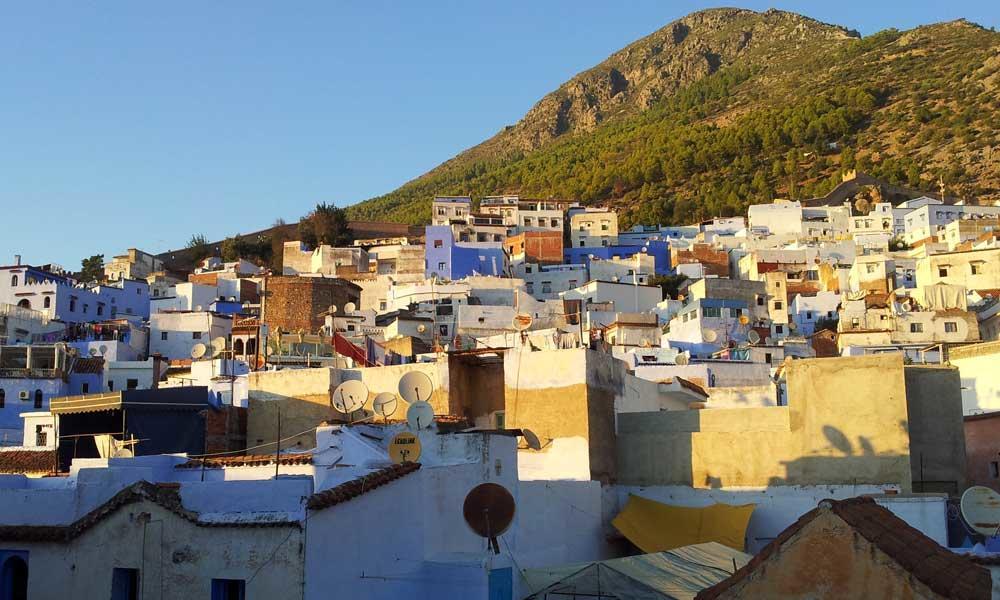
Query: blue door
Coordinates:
[501,584]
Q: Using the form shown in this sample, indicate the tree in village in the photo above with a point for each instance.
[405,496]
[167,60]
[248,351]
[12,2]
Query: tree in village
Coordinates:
[92,269]
[326,224]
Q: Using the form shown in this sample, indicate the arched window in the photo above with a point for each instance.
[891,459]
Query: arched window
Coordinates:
[14,577]
[47,302]
[252,347]
[24,303]
[13,281]
[238,347]
[38,398]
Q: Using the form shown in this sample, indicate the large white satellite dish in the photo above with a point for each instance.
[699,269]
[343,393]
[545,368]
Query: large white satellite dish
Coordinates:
[681,360]
[350,307]
[709,335]
[981,509]
[531,439]
[522,321]
[420,415]
[218,346]
[415,386]
[385,404]
[198,351]
[350,396]
[753,337]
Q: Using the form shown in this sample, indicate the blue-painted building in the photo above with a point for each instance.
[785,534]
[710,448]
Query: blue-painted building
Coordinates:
[449,259]
[658,249]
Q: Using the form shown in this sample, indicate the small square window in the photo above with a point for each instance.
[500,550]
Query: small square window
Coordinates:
[438,243]
[950,327]
[779,329]
[942,271]
[778,305]
[916,327]
[195,335]
[442,266]
[976,268]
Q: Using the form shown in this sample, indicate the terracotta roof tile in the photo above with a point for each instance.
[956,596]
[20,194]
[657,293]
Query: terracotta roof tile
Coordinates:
[948,574]
[26,461]
[91,365]
[356,487]
[246,460]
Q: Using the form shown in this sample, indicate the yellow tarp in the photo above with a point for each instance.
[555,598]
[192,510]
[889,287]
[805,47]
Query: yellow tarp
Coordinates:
[656,527]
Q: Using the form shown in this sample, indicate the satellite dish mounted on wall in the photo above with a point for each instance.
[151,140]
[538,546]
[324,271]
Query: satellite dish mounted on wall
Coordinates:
[218,346]
[531,439]
[420,415]
[349,308]
[92,352]
[421,328]
[489,510]
[198,351]
[385,405]
[415,386]
[521,321]
[681,360]
[350,396]
[709,335]
[103,349]
[981,510]
[753,337]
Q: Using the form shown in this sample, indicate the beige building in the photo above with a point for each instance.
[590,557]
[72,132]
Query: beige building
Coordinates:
[593,227]
[972,269]
[136,264]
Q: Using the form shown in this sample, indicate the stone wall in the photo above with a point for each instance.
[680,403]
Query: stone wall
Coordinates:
[294,303]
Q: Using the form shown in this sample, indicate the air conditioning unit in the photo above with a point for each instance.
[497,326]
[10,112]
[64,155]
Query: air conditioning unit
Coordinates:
[23,395]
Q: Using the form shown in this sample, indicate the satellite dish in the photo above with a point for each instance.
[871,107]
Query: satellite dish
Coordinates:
[404,447]
[102,349]
[350,396]
[643,250]
[218,346]
[521,321]
[332,309]
[532,440]
[792,326]
[709,335]
[350,307]
[122,453]
[420,415]
[744,320]
[753,337]
[415,386]
[197,308]
[421,328]
[385,404]
[92,352]
[981,509]
[198,351]
[489,510]
[681,360]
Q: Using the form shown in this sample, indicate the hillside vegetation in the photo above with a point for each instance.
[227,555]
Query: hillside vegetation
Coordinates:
[728,107]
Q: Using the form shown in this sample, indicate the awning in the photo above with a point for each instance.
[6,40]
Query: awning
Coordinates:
[678,574]
[654,527]
[86,403]
[194,398]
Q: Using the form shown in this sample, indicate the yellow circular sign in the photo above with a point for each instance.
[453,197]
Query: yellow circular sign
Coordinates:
[404,447]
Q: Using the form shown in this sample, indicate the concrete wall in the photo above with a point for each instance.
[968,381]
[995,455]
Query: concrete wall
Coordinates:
[176,558]
[823,436]
[980,383]
[982,450]
[937,437]
[303,397]
[743,396]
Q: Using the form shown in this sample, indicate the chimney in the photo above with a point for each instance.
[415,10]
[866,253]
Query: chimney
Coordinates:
[17,260]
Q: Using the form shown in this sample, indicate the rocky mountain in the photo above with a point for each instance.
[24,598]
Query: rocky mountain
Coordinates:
[725,107]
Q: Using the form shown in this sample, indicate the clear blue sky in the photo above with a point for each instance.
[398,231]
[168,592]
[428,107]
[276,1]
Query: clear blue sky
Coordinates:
[138,123]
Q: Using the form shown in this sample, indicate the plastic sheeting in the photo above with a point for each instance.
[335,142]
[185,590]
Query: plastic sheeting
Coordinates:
[942,296]
[677,574]
[654,527]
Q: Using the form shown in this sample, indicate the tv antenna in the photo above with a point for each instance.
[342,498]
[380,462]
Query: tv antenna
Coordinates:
[350,396]
[489,510]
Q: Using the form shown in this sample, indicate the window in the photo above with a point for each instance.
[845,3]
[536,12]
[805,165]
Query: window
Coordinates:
[100,309]
[163,336]
[41,436]
[767,357]
[38,398]
[445,310]
[125,584]
[778,305]
[809,315]
[442,212]
[573,283]
[47,302]
[442,266]
[777,284]
[760,300]
[942,271]
[229,589]
[995,470]
[195,335]
[111,385]
[916,327]
[605,226]
[72,305]
[779,329]
[131,384]
[3,398]
[950,327]
[84,388]
[529,287]
[501,419]
[870,267]
[438,243]
[712,311]
[555,222]
[382,305]
[444,330]
[13,281]
[546,287]
[975,268]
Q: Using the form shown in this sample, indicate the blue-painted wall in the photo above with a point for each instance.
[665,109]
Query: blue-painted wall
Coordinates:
[449,259]
[658,249]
